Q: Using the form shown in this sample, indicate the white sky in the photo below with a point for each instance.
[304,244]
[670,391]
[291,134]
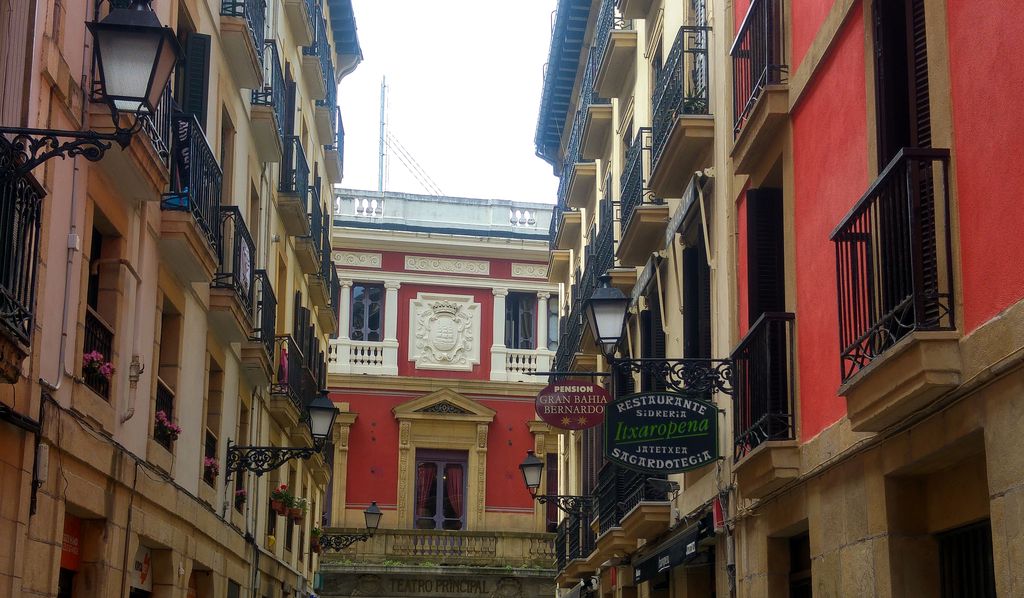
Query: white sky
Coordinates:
[464,80]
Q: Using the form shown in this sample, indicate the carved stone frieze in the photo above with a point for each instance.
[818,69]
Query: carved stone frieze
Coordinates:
[530,270]
[445,265]
[355,259]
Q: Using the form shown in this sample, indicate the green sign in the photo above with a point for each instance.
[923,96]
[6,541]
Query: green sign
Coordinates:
[661,432]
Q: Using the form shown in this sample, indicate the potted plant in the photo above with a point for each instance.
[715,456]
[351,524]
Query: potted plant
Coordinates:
[241,495]
[210,469]
[314,539]
[297,509]
[165,428]
[281,499]
[94,363]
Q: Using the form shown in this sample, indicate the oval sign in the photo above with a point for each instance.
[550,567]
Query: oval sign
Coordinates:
[661,432]
[572,405]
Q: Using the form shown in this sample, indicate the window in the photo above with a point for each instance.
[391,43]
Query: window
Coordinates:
[440,490]
[521,321]
[214,396]
[551,509]
[652,335]
[553,323]
[167,375]
[102,294]
[367,312]
[800,566]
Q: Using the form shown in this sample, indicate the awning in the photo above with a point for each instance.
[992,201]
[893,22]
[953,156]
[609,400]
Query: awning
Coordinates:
[684,549]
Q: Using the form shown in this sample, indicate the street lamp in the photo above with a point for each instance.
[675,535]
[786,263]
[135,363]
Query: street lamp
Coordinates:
[533,470]
[261,459]
[135,57]
[372,515]
[606,314]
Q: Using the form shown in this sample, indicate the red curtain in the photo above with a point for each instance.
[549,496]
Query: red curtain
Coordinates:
[453,487]
[425,475]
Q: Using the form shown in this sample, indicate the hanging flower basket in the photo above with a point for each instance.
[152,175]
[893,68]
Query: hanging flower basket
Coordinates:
[295,514]
[94,363]
[211,467]
[314,544]
[241,496]
[281,499]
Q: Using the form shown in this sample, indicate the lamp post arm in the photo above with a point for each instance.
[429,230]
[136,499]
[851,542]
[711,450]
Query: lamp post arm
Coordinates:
[342,541]
[35,146]
[262,459]
[577,506]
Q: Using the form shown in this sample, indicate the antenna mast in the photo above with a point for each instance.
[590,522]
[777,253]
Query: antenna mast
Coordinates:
[380,149]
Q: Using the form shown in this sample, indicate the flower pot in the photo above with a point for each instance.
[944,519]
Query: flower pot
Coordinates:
[278,507]
[295,514]
[314,545]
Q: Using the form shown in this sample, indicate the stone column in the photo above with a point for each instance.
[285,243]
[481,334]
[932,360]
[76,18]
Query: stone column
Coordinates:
[391,308]
[405,468]
[477,522]
[498,349]
[339,478]
[542,320]
[345,309]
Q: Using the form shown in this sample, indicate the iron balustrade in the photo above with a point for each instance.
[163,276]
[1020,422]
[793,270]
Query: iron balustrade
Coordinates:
[21,205]
[165,404]
[255,14]
[604,245]
[608,21]
[330,101]
[320,47]
[292,379]
[316,219]
[763,403]
[294,170]
[158,126]
[236,256]
[195,178]
[560,545]
[644,488]
[682,85]
[633,182]
[272,92]
[588,95]
[265,314]
[758,57]
[894,258]
[98,336]
[574,534]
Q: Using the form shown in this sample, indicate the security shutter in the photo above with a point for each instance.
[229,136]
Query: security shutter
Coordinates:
[766,279]
[195,82]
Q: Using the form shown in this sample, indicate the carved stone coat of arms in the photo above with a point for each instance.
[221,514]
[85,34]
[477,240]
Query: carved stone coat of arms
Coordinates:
[444,332]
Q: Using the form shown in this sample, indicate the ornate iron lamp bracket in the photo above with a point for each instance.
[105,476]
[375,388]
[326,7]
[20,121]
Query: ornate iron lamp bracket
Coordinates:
[262,459]
[683,375]
[577,506]
[342,541]
[32,147]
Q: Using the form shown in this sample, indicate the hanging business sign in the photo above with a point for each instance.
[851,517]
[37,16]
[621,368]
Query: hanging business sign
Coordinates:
[142,573]
[572,405]
[661,432]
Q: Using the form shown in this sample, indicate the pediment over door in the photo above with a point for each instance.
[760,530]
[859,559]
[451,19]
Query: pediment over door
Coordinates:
[445,404]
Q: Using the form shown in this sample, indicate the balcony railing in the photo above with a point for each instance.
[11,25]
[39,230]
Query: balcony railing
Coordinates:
[195,178]
[272,92]
[758,57]
[619,490]
[561,550]
[255,14]
[763,408]
[209,452]
[894,261]
[21,200]
[443,547]
[98,336]
[316,219]
[236,256]
[330,102]
[292,378]
[294,170]
[165,404]
[320,47]
[608,21]
[633,182]
[265,315]
[682,85]
[603,255]
[158,126]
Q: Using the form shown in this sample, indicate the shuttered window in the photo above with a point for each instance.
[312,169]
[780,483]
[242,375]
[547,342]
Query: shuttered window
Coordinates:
[766,279]
[696,301]
[652,335]
[16,23]
[194,80]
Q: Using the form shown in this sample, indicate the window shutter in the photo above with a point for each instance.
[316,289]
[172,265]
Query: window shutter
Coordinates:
[696,302]
[195,86]
[766,279]
[918,67]
[289,108]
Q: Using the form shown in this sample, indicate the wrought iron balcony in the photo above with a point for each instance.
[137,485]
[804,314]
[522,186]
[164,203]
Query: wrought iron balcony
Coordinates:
[682,85]
[158,126]
[763,404]
[98,336]
[236,258]
[758,57]
[265,313]
[294,170]
[195,178]
[603,253]
[165,405]
[317,63]
[894,258]
[633,181]
[608,20]
[272,92]
[20,217]
[255,14]
[561,552]
[293,379]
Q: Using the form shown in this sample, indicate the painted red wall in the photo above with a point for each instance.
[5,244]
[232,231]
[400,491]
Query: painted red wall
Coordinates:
[830,174]
[394,261]
[806,18]
[480,371]
[373,450]
[988,128]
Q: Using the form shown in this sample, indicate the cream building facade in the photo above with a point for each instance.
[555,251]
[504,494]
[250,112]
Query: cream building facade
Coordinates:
[189,264]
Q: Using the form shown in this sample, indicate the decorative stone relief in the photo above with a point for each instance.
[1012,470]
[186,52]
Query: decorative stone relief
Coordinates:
[530,270]
[508,587]
[444,332]
[404,430]
[443,407]
[352,259]
[481,436]
[447,265]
